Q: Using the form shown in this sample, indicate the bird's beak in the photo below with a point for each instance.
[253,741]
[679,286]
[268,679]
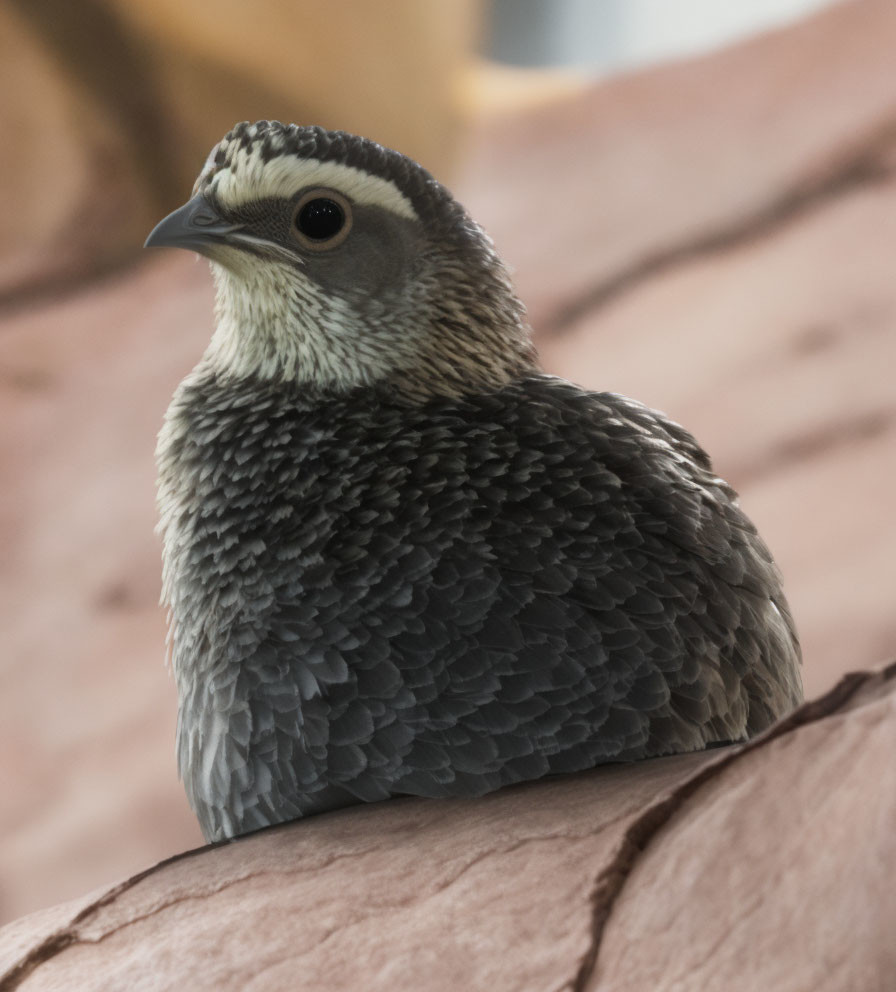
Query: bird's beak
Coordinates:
[196,225]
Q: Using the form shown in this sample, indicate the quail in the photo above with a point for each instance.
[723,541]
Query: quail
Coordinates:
[399,558]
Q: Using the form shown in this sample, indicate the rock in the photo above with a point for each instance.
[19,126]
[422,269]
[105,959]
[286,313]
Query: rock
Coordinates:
[646,171]
[762,866]
[88,708]
[777,874]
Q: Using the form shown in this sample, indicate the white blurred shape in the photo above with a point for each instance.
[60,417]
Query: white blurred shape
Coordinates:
[609,35]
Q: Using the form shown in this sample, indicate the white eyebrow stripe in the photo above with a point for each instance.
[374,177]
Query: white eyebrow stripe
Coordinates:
[250,178]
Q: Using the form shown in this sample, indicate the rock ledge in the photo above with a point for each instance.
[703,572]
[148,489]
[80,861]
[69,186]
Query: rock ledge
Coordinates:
[767,865]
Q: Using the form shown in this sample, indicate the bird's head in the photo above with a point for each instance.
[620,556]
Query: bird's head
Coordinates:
[340,263]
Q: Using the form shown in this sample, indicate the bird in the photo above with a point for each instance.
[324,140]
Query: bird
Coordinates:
[399,558]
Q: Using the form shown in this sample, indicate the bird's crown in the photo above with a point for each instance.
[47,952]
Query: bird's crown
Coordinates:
[268,159]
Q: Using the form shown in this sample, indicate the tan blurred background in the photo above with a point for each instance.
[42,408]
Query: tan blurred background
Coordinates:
[714,235]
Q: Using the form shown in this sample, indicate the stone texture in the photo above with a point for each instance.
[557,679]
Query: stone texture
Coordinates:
[646,171]
[757,867]
[88,707]
[774,343]
[778,872]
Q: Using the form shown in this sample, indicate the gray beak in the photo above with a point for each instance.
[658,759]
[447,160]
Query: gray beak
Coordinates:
[195,225]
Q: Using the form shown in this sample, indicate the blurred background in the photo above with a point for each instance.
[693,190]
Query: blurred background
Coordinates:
[699,204]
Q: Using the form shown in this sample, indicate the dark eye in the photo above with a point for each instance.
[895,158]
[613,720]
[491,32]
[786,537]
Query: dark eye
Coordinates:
[322,219]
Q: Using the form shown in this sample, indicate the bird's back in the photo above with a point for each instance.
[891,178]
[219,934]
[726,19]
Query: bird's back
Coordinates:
[373,598]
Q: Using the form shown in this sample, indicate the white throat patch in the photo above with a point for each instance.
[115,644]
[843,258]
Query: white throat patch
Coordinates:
[275,324]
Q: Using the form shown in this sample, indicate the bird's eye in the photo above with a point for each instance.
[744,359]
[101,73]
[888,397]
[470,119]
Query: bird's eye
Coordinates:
[322,219]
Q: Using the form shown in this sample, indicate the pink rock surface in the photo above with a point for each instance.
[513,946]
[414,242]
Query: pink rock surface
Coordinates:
[764,866]
[88,707]
[584,195]
[777,874]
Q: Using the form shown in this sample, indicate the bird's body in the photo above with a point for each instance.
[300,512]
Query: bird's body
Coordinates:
[399,558]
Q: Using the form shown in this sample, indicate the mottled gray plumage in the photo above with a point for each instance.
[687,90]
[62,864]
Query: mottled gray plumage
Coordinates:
[437,577]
